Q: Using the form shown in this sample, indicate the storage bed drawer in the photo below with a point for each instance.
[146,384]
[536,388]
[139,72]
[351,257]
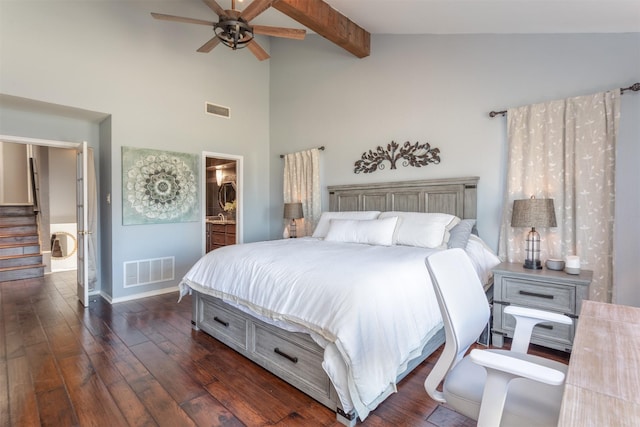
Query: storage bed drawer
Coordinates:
[226,325]
[295,355]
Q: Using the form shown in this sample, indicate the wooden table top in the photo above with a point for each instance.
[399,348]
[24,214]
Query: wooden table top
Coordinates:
[603,381]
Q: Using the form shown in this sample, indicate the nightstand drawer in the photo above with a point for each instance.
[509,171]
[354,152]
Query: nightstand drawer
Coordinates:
[557,332]
[539,295]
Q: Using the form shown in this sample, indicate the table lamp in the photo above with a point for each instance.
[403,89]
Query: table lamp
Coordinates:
[533,213]
[293,211]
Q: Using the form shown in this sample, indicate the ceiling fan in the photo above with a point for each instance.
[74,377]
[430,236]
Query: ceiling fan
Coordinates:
[233,28]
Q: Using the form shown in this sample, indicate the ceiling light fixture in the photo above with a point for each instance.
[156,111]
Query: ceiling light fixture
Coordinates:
[235,33]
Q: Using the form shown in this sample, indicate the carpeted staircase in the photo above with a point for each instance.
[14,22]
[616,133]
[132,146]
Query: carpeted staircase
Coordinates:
[20,256]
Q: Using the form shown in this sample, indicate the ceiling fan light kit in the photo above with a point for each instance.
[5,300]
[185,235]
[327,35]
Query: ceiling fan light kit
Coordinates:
[235,33]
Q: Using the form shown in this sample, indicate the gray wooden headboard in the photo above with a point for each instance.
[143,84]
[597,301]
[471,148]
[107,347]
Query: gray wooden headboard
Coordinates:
[456,196]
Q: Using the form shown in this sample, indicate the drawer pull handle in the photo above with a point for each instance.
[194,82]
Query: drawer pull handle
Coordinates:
[283,354]
[549,327]
[535,294]
[222,322]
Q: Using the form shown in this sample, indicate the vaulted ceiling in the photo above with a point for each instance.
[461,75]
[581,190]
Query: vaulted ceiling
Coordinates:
[348,23]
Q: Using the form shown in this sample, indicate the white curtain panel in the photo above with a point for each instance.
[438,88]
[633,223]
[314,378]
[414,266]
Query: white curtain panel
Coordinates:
[565,150]
[302,184]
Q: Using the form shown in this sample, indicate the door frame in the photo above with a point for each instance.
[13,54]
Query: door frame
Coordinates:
[239,194]
[82,219]
[55,144]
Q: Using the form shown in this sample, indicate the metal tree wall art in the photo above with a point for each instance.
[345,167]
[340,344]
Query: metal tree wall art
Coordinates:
[416,155]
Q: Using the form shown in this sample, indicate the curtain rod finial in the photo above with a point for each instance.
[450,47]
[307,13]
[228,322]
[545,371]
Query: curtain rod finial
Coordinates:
[634,87]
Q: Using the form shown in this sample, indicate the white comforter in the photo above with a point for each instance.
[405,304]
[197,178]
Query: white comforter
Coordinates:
[371,307]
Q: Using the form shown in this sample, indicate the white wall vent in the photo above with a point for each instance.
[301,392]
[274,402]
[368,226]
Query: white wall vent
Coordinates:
[146,271]
[217,110]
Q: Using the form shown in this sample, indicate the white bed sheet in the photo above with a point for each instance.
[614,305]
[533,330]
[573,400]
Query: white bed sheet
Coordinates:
[372,308]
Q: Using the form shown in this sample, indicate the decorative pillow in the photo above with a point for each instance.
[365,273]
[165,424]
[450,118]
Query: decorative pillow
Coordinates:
[367,231]
[323,224]
[426,230]
[459,235]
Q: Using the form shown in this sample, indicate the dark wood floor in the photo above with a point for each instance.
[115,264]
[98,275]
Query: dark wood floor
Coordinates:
[140,364]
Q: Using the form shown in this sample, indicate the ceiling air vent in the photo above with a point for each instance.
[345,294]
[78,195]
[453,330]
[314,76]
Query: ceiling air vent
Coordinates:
[217,110]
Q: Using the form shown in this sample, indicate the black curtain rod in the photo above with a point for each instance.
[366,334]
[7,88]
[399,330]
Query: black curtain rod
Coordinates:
[634,87]
[319,148]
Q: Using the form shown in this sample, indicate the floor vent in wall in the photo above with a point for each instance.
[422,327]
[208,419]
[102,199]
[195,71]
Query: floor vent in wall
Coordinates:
[145,271]
[217,110]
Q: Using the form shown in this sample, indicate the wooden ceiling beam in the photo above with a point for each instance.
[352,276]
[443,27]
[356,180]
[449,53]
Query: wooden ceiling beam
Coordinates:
[329,23]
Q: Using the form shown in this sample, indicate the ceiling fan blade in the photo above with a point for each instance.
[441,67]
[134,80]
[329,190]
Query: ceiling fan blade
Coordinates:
[258,51]
[289,33]
[213,5]
[255,8]
[173,18]
[208,46]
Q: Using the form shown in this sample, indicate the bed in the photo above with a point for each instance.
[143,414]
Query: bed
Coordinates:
[340,320]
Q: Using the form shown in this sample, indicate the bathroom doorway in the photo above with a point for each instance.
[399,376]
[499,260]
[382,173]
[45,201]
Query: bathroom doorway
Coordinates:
[222,197]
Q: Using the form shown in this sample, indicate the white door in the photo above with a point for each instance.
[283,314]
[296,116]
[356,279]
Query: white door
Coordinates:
[82,220]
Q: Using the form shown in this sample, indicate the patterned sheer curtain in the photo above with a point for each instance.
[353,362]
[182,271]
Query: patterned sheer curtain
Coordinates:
[565,150]
[302,184]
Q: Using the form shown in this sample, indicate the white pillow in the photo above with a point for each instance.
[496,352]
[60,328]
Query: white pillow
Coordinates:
[323,224]
[425,230]
[482,257]
[367,231]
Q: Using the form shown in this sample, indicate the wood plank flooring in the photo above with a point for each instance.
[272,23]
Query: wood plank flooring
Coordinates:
[139,363]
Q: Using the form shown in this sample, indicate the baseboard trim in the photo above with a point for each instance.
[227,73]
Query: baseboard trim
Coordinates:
[110,300]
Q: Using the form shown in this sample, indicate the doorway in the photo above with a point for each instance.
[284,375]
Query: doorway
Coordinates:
[83,247]
[222,200]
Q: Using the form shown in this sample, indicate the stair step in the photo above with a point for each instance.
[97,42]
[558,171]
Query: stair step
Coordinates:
[19,249]
[17,220]
[11,229]
[24,272]
[20,260]
[20,256]
[9,239]
[16,210]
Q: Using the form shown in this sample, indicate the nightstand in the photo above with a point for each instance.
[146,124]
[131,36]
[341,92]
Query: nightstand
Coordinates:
[542,289]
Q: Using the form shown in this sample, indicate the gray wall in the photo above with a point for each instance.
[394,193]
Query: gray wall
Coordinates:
[13,159]
[105,213]
[627,237]
[113,58]
[62,185]
[440,89]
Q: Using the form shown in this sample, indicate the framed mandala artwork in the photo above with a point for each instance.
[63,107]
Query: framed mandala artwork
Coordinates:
[159,186]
